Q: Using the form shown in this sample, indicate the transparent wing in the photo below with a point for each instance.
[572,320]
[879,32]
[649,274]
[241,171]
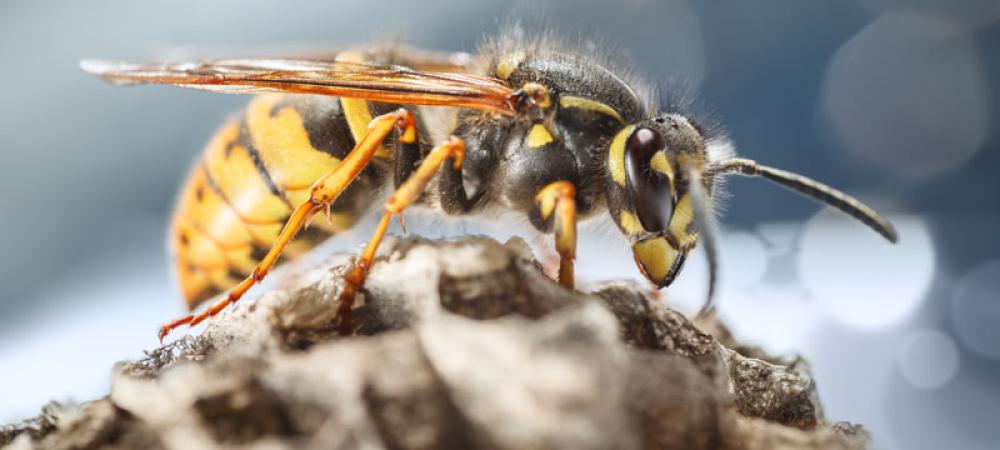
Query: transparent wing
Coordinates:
[395,84]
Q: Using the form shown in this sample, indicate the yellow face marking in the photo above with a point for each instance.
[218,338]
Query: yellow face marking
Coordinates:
[570,101]
[683,215]
[616,155]
[660,164]
[656,257]
[630,223]
[539,136]
[508,64]
[283,144]
[681,220]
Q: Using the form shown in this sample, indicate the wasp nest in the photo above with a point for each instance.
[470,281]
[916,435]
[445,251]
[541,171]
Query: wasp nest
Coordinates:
[458,344]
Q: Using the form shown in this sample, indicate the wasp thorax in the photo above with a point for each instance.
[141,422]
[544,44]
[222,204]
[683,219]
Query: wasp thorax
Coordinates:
[649,176]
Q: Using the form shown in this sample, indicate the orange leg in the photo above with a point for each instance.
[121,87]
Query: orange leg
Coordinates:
[404,196]
[324,192]
[559,199]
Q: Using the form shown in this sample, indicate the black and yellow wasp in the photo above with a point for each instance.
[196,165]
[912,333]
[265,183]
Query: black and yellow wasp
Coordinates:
[530,126]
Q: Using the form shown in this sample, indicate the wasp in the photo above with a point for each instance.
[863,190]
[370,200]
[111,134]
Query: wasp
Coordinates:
[529,126]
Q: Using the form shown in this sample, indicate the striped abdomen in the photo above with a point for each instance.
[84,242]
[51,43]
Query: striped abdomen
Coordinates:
[249,178]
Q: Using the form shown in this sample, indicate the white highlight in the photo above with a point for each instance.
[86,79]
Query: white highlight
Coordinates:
[908,94]
[975,310]
[67,353]
[928,359]
[860,279]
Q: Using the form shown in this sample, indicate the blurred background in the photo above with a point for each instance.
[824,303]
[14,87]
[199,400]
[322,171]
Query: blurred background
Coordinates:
[894,101]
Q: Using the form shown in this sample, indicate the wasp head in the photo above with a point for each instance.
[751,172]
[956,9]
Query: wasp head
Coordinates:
[648,193]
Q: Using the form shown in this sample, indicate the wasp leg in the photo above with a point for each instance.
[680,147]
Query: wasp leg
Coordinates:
[557,202]
[406,160]
[324,192]
[451,152]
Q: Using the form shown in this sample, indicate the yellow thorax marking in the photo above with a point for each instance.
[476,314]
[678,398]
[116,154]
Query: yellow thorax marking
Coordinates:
[356,109]
[616,155]
[570,101]
[539,136]
[508,64]
[630,223]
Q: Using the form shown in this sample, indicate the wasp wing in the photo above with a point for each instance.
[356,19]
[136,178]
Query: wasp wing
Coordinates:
[394,84]
[399,53]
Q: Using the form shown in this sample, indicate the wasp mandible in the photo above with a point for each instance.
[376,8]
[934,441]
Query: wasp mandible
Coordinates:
[533,127]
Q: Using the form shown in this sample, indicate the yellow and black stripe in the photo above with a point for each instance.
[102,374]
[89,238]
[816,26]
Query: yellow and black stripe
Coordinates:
[249,178]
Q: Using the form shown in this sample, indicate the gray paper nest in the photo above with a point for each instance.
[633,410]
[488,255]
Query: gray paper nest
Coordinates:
[458,344]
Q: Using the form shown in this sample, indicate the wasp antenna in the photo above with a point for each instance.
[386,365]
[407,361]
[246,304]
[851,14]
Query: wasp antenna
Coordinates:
[809,188]
[706,233]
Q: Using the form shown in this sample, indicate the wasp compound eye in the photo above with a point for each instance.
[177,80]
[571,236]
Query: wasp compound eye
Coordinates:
[649,178]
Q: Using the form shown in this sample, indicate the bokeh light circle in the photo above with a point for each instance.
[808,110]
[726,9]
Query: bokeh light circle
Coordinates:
[743,261]
[970,14]
[860,279]
[927,359]
[907,94]
[675,26]
[975,310]
[748,267]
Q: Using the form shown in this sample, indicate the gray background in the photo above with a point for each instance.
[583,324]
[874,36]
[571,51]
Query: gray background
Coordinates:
[894,101]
